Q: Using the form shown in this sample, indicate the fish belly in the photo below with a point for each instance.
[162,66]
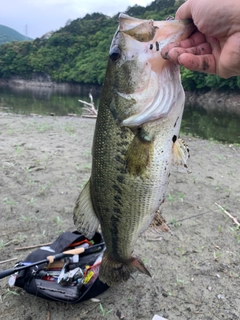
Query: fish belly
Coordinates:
[125,192]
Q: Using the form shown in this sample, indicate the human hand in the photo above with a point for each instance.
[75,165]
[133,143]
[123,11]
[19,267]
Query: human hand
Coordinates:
[215,46]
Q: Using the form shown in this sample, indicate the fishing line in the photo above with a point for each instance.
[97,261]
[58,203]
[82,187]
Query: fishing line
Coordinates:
[188,218]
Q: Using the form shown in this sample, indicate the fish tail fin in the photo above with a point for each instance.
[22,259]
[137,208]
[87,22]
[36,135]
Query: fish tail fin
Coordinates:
[113,272]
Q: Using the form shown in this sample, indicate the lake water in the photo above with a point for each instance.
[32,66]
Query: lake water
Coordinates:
[197,121]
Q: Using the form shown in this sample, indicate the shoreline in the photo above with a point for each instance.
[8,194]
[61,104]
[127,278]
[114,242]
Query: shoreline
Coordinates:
[45,82]
[213,99]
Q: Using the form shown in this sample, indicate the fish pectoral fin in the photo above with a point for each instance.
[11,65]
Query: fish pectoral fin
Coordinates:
[139,153]
[84,216]
[180,152]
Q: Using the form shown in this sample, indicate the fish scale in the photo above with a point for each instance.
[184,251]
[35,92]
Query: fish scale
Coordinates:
[134,142]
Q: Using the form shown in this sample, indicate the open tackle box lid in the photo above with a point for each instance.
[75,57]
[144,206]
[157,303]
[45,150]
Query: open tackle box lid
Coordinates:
[71,280]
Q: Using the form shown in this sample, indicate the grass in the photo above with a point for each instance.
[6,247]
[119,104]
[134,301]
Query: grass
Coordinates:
[44,188]
[45,127]
[26,219]
[171,198]
[31,202]
[216,255]
[104,311]
[87,166]
[178,196]
[70,130]
[235,232]
[180,283]
[57,220]
[4,244]
[31,182]
[9,202]
[18,149]
[43,235]
[10,292]
[174,223]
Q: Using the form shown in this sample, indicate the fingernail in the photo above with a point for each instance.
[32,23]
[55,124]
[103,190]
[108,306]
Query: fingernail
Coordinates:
[165,55]
[179,61]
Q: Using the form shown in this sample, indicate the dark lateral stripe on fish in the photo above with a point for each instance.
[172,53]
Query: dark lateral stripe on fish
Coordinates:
[119,159]
[157,46]
[116,187]
[115,219]
[122,170]
[120,178]
[151,47]
[122,143]
[118,199]
[116,210]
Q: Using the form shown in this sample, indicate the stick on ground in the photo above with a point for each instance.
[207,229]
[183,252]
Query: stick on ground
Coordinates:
[5,261]
[228,214]
[35,246]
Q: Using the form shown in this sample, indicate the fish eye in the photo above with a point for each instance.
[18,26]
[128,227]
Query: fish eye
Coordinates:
[115,53]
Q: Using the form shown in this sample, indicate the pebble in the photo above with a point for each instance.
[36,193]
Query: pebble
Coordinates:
[156,317]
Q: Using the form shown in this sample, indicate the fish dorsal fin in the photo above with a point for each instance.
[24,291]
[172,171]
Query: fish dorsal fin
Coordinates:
[84,216]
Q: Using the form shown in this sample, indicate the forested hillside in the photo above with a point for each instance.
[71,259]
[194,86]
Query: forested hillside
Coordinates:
[8,35]
[78,52]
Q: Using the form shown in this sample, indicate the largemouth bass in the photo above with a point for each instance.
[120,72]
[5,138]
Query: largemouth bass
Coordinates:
[135,141]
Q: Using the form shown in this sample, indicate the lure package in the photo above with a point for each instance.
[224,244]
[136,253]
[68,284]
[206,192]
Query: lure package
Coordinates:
[72,279]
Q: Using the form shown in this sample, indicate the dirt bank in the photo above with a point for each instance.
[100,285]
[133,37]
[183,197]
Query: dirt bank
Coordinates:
[44,81]
[45,161]
[216,100]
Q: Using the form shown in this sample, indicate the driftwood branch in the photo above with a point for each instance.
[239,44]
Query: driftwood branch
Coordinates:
[89,107]
[85,103]
[228,214]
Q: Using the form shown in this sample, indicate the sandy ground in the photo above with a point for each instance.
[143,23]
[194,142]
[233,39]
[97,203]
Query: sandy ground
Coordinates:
[45,161]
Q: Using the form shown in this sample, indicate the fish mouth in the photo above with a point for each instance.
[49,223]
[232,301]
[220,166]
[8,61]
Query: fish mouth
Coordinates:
[154,84]
[151,36]
[150,30]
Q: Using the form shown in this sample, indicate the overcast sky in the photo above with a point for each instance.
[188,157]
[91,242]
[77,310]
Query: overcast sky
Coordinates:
[36,17]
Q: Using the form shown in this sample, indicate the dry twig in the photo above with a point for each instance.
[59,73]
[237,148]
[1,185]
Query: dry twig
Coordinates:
[228,214]
[48,313]
[35,246]
[5,261]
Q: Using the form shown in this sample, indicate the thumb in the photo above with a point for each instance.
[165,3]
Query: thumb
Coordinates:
[184,11]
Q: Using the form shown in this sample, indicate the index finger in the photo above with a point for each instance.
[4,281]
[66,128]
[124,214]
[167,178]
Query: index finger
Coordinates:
[194,40]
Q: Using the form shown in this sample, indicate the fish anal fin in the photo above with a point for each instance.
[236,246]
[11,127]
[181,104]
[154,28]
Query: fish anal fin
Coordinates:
[84,216]
[113,272]
[139,154]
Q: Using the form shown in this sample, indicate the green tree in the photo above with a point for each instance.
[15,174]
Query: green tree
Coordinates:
[79,51]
